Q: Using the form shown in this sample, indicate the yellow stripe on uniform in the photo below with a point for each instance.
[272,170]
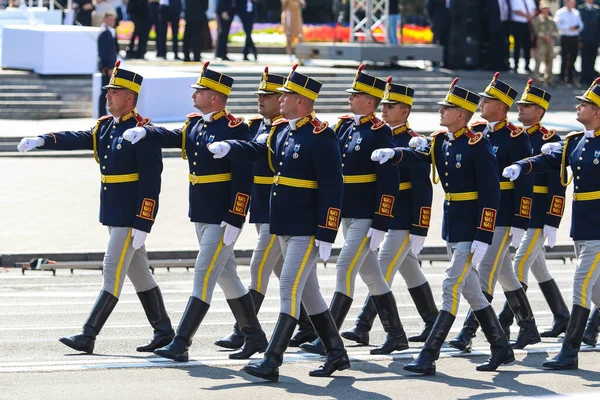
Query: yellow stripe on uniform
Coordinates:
[587,279]
[490,288]
[263,261]
[455,294]
[353,264]
[120,265]
[527,254]
[210,269]
[311,243]
[390,269]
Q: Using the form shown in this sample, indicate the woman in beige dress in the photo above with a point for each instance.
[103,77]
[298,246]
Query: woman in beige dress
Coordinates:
[291,19]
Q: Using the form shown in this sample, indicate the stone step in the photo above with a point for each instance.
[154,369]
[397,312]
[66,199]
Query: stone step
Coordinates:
[43,113]
[21,96]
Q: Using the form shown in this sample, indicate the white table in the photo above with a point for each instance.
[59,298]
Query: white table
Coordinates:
[51,49]
[166,96]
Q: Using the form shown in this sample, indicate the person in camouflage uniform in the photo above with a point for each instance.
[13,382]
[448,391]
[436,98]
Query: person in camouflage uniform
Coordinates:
[546,31]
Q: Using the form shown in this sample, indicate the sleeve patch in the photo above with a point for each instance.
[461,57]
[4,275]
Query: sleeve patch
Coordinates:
[557,206]
[241,204]
[333,218]
[147,210]
[525,208]
[425,217]
[488,219]
[386,205]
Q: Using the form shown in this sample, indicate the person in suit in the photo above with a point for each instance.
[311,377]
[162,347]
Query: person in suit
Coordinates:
[122,12]
[138,11]
[440,19]
[246,9]
[195,19]
[225,12]
[107,57]
[83,13]
[168,13]
[589,39]
[496,17]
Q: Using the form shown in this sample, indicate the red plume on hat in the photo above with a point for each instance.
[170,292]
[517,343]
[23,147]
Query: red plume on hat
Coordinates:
[454,82]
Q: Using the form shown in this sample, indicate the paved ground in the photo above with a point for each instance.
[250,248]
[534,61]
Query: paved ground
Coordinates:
[38,308]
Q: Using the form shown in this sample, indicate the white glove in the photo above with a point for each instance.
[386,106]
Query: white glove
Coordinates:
[550,233]
[417,142]
[262,138]
[512,172]
[478,249]
[517,236]
[219,149]
[382,155]
[134,135]
[416,243]
[231,233]
[550,147]
[30,143]
[324,249]
[376,237]
[139,238]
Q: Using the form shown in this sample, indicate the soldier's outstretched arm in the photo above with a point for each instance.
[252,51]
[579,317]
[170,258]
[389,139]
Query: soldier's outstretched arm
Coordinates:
[243,151]
[163,137]
[66,140]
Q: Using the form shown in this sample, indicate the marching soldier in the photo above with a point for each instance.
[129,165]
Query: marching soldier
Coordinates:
[509,144]
[266,257]
[408,228]
[580,150]
[469,175]
[546,213]
[370,191]
[130,184]
[219,198]
[306,196]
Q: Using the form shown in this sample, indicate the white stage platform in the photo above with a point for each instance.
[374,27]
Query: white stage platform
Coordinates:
[29,16]
[51,49]
[162,98]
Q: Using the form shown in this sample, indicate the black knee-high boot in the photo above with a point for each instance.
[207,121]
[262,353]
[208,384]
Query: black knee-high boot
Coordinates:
[388,314]
[339,307]
[236,339]
[502,352]
[590,337]
[105,304]
[190,321]
[306,332]
[567,357]
[364,322]
[464,340]
[528,332]
[425,362]
[255,340]
[268,367]
[423,299]
[558,307]
[507,317]
[154,307]
[337,358]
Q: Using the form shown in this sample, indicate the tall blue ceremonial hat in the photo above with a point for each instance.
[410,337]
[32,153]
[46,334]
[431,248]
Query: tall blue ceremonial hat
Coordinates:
[210,79]
[298,83]
[535,95]
[124,79]
[365,83]
[592,95]
[460,97]
[269,83]
[498,90]
[394,93]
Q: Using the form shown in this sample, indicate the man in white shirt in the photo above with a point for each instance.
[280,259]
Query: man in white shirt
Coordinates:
[523,12]
[569,23]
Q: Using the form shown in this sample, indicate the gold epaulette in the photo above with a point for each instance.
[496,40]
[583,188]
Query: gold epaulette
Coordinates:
[256,118]
[515,131]
[574,133]
[104,117]
[474,137]
[547,133]
[478,124]
[441,131]
[280,121]
[193,115]
[141,121]
[233,121]
[377,124]
[341,120]
[319,126]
